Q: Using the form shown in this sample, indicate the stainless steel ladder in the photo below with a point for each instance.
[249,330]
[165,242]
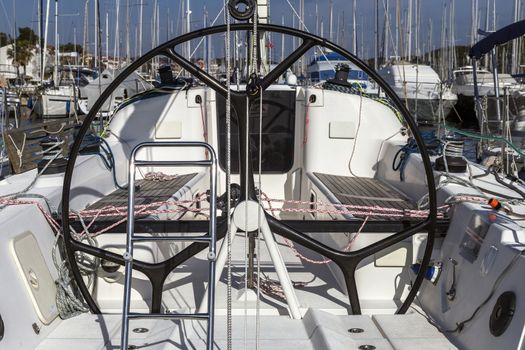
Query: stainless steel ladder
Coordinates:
[209,238]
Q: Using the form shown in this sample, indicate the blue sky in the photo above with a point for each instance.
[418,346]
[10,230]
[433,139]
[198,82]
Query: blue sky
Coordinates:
[171,18]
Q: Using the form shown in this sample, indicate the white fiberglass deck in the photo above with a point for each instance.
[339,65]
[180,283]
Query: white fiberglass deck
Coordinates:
[316,331]
[325,323]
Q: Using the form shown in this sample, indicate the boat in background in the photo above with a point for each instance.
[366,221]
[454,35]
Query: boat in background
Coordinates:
[90,92]
[60,99]
[464,87]
[425,95]
[323,67]
[57,102]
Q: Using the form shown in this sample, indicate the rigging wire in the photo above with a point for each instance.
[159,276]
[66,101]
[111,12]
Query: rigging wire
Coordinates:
[305,27]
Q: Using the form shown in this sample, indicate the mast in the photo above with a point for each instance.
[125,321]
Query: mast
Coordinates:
[376,35]
[418,25]
[263,12]
[409,31]
[343,30]
[136,48]
[387,31]
[157,29]
[476,22]
[453,35]
[128,48]
[494,15]
[354,38]
[98,42]
[57,49]
[96,33]
[107,37]
[75,44]
[116,52]
[206,55]
[443,42]
[293,38]
[99,39]
[487,16]
[472,25]
[282,41]
[188,29]
[45,32]
[317,17]
[430,30]
[153,35]
[338,30]
[398,20]
[86,32]
[141,14]
[41,39]
[487,21]
[362,51]
[157,36]
[302,63]
[331,20]
[515,42]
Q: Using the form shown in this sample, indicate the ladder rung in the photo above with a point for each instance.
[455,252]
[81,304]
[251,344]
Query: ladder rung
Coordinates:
[166,163]
[169,316]
[171,238]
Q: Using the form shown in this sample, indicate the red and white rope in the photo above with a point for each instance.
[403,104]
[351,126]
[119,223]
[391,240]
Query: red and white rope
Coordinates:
[326,261]
[355,210]
[52,222]
[182,206]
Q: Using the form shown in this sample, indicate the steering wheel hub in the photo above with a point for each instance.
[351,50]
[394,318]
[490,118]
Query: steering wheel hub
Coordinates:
[247,216]
[242,10]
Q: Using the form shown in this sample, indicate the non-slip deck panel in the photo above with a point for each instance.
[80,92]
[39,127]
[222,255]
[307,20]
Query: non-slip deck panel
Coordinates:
[148,191]
[363,191]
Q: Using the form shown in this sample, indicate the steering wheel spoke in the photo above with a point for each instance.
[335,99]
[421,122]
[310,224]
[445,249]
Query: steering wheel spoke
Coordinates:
[197,72]
[281,68]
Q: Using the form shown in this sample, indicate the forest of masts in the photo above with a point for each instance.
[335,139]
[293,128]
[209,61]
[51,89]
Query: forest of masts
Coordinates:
[399,32]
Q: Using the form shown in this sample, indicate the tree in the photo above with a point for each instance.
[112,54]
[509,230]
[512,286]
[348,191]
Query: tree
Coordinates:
[69,47]
[27,34]
[23,48]
[5,39]
[22,55]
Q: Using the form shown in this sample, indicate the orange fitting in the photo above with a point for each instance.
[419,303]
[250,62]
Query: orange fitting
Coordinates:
[495,204]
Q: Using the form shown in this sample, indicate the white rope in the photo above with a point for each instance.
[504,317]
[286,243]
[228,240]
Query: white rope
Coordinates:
[255,70]
[68,304]
[246,237]
[28,187]
[68,299]
[357,134]
[259,219]
[228,184]
[3,112]
[48,131]
[73,101]
[255,42]
[19,151]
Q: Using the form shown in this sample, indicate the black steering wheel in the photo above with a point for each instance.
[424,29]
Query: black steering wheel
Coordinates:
[346,261]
